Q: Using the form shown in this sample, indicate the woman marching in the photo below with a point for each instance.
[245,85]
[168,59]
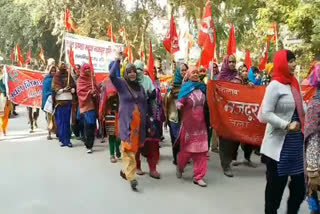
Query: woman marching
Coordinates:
[132,118]
[193,137]
[63,92]
[4,105]
[283,143]
[109,118]
[47,99]
[88,95]
[312,142]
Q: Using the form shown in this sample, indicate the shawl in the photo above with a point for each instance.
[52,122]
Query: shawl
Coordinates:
[282,75]
[60,80]
[177,81]
[85,88]
[252,77]
[108,90]
[189,86]
[144,80]
[226,73]
[46,89]
[312,121]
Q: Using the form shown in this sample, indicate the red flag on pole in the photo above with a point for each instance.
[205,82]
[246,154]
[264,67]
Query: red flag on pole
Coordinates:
[151,64]
[207,38]
[68,23]
[141,52]
[28,58]
[41,55]
[90,63]
[71,59]
[171,42]
[19,55]
[128,53]
[247,60]
[264,59]
[110,33]
[232,45]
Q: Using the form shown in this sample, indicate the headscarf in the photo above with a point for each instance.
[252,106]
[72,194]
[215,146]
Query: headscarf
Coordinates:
[60,79]
[212,76]
[312,123]
[282,75]
[143,80]
[85,86]
[133,84]
[47,87]
[226,73]
[269,68]
[252,77]
[188,87]
[118,69]
[107,90]
[177,81]
[51,62]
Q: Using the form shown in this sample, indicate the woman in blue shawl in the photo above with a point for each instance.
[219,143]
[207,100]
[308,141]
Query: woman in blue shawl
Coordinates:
[46,93]
[254,76]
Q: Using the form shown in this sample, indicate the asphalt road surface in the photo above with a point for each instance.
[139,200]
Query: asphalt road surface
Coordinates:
[37,176]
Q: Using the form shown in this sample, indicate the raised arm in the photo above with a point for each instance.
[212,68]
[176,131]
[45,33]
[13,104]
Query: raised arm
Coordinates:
[116,81]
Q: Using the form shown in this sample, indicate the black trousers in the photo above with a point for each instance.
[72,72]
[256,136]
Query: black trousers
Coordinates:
[275,188]
[228,150]
[89,134]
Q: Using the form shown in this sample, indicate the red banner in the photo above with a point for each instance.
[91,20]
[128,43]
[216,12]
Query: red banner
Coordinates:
[234,109]
[24,86]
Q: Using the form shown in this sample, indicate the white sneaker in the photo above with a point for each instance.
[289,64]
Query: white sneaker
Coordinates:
[89,151]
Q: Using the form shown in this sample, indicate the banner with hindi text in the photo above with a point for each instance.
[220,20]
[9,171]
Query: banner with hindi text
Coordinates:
[234,110]
[102,52]
[24,87]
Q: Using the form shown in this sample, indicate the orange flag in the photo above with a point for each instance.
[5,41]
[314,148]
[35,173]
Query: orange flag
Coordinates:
[41,55]
[68,23]
[20,59]
[151,64]
[110,33]
[247,60]
[71,59]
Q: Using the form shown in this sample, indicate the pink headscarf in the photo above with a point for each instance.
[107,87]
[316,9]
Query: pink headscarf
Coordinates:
[189,73]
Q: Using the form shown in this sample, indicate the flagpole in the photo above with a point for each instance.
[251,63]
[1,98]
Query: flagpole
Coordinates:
[62,45]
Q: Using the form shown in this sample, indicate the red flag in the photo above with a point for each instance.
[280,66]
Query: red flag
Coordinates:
[71,59]
[28,58]
[247,60]
[12,55]
[171,42]
[41,55]
[264,59]
[232,45]
[19,55]
[110,33]
[90,63]
[207,38]
[66,20]
[151,64]
[141,52]
[68,23]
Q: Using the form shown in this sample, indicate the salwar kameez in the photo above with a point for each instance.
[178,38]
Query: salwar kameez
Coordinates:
[193,135]
[63,113]
[5,118]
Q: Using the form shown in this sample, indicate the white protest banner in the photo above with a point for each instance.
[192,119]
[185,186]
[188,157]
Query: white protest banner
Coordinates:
[102,52]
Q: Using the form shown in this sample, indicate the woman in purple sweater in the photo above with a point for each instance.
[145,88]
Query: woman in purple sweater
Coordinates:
[132,118]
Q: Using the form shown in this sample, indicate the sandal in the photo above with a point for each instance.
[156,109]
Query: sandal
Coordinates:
[113,159]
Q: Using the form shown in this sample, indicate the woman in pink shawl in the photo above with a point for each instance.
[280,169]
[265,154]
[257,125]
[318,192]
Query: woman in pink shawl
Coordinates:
[193,135]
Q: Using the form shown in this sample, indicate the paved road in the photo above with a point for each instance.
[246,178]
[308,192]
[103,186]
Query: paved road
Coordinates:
[39,177]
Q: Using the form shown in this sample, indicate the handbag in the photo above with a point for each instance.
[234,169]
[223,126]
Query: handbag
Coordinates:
[48,107]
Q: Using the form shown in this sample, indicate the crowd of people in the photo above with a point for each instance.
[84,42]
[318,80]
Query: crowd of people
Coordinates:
[129,110]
